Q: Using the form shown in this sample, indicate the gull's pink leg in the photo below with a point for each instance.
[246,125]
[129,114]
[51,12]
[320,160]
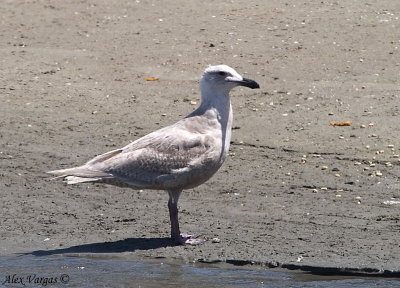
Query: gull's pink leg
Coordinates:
[173,215]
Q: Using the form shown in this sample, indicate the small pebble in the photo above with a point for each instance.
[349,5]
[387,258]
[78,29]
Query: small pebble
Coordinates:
[357,163]
[391,202]
[299,259]
[215,240]
[324,167]
[378,173]
[390,146]
[193,103]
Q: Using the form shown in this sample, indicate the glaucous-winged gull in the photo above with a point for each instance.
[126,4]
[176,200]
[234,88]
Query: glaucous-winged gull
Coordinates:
[181,156]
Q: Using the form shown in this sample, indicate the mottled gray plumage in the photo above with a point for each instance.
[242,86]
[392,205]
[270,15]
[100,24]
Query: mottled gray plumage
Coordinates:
[183,155]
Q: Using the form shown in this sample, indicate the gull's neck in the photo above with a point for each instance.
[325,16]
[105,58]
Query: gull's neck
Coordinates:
[215,99]
[216,105]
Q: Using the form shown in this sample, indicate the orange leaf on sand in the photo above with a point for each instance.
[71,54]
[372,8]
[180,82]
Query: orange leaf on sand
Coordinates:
[151,79]
[345,123]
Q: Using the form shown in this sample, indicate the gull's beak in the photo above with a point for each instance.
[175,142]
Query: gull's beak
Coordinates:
[248,83]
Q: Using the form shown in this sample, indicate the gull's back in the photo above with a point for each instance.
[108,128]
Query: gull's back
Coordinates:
[179,156]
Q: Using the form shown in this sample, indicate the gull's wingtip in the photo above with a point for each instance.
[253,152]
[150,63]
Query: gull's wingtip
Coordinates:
[58,173]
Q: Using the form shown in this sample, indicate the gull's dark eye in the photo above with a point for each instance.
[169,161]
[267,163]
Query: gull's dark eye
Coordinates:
[222,73]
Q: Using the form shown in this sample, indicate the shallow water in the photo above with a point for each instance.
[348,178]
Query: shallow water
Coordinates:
[61,271]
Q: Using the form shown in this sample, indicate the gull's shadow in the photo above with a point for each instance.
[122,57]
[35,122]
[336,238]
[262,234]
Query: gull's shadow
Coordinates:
[127,245]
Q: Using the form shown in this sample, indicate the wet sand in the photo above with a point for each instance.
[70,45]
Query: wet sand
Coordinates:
[295,191]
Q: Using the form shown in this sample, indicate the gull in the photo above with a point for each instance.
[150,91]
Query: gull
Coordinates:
[177,157]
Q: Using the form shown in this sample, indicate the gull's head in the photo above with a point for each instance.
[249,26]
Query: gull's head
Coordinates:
[222,78]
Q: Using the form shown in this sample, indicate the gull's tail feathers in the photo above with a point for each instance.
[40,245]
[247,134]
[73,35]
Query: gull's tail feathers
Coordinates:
[79,175]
